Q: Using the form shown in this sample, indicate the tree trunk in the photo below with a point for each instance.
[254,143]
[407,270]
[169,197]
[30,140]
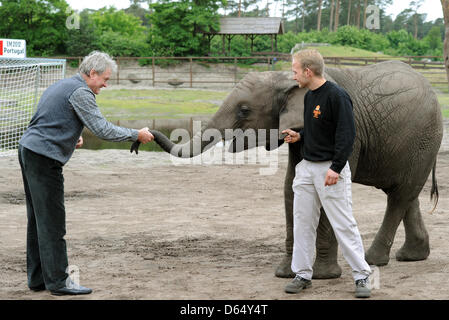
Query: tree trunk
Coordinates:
[331,18]
[337,15]
[415,21]
[445,5]
[349,11]
[283,9]
[296,22]
[304,15]
[358,14]
[320,6]
[364,14]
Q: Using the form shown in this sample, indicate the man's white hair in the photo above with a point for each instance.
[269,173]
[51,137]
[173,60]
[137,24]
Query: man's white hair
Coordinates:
[97,61]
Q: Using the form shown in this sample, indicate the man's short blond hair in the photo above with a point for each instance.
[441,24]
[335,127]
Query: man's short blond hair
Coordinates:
[312,59]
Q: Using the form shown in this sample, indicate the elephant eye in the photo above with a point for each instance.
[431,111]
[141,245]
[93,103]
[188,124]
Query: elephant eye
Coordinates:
[243,112]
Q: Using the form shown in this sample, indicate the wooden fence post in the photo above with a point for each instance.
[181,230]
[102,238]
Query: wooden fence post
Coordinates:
[235,71]
[118,70]
[152,69]
[191,75]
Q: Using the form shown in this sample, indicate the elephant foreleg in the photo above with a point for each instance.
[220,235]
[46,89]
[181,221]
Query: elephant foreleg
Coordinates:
[284,269]
[416,246]
[326,266]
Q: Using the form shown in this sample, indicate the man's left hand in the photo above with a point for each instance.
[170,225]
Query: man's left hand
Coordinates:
[79,144]
[331,178]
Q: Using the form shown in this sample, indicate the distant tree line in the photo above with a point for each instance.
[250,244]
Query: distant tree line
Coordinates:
[173,28]
[307,15]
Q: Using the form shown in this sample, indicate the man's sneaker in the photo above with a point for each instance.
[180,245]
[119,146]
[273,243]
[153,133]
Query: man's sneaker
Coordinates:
[297,285]
[362,289]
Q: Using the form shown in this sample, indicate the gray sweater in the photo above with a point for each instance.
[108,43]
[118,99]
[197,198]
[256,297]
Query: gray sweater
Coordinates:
[62,112]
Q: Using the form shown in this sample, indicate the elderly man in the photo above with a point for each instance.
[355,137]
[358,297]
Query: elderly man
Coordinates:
[54,132]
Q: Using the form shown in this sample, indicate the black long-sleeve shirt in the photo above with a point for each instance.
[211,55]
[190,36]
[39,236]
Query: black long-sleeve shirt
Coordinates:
[329,129]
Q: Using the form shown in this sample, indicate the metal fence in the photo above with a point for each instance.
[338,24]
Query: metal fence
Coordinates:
[197,71]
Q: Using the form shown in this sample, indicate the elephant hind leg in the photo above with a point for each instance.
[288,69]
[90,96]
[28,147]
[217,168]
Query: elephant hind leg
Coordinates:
[379,252]
[416,246]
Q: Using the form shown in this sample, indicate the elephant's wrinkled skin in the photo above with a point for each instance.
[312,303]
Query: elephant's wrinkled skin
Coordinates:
[399,131]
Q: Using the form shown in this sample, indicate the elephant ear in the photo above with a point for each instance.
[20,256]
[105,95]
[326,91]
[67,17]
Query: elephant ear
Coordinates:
[290,100]
[291,116]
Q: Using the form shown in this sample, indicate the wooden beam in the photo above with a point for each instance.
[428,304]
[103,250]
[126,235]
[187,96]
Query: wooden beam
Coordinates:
[223,44]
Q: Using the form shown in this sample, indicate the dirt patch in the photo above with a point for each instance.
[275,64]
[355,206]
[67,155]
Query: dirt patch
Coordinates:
[141,227]
[18,197]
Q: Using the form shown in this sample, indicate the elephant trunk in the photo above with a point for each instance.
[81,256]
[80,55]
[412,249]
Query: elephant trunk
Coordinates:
[191,148]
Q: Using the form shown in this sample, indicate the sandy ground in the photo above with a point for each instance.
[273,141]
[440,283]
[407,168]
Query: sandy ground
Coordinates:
[141,227]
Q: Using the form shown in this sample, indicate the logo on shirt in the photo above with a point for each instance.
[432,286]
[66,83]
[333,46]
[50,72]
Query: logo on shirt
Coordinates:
[317,112]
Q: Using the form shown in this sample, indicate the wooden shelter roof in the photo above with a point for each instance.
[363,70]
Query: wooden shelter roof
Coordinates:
[250,25]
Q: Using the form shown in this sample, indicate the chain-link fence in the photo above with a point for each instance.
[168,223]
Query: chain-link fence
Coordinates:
[22,82]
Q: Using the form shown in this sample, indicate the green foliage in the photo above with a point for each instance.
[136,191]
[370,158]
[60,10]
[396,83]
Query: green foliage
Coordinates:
[359,38]
[174,28]
[403,43]
[80,42]
[111,19]
[41,23]
[118,44]
[394,43]
[119,33]
[176,25]
[433,39]
[395,38]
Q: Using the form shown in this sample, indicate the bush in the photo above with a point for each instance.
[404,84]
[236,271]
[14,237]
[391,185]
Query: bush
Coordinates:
[176,27]
[84,40]
[362,39]
[433,39]
[118,44]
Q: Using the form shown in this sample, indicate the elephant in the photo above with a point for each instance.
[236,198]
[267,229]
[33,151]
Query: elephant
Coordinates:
[398,134]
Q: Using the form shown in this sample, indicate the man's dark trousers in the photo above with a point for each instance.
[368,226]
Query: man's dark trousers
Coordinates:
[46,248]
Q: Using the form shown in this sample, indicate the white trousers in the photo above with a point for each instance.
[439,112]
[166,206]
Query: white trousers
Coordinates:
[309,195]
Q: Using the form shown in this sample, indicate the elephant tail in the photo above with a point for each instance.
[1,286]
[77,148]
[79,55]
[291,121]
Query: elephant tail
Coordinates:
[434,190]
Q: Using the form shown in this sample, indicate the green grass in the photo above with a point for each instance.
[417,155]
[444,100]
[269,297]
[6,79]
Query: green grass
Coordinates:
[91,142]
[338,51]
[443,99]
[349,52]
[159,103]
[444,103]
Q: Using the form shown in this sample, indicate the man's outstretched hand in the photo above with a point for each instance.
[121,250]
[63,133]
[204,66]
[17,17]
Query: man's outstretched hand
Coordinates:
[145,135]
